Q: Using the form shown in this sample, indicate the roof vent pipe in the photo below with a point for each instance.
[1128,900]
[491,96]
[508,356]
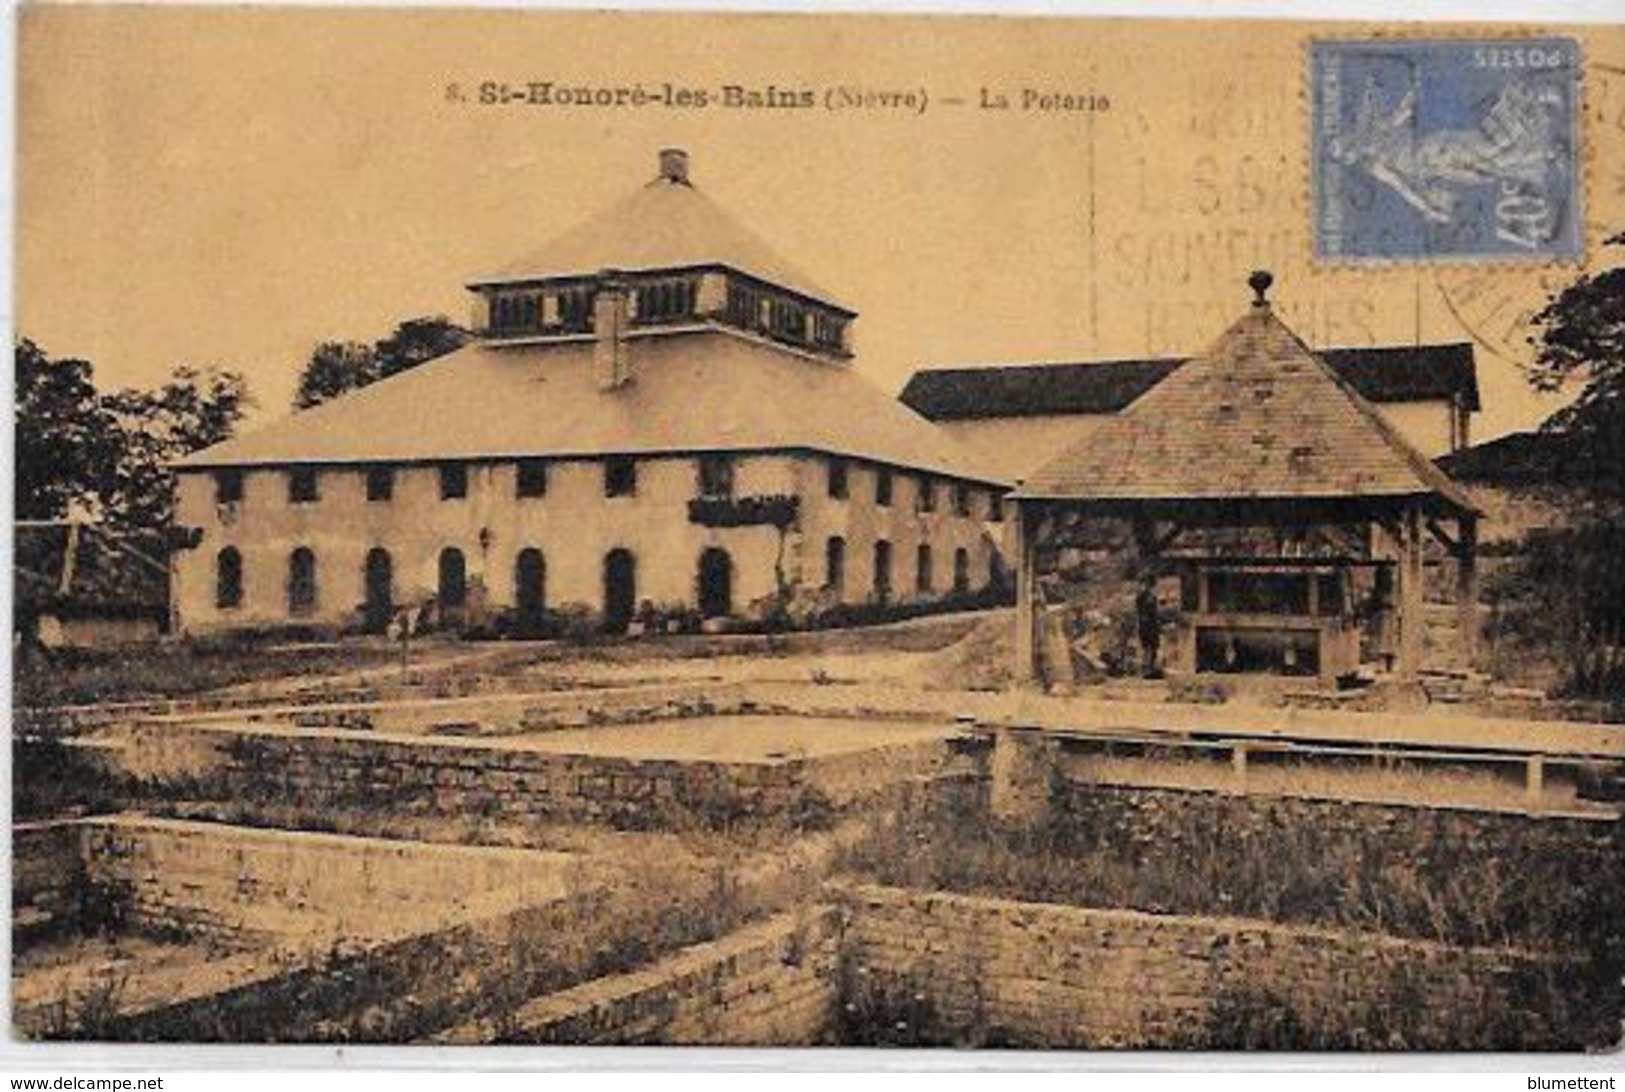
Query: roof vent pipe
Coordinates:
[674,165]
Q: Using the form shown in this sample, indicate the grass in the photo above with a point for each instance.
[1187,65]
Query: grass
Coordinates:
[178,669]
[1426,876]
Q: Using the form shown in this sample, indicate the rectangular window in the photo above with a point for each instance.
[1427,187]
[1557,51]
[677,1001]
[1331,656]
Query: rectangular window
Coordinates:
[302,486]
[531,480]
[716,476]
[926,497]
[380,483]
[228,486]
[961,499]
[620,476]
[837,478]
[453,481]
[924,578]
[995,508]
[882,487]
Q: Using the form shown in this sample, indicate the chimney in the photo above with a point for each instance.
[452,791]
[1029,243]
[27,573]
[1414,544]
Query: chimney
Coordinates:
[674,165]
[609,322]
[1260,283]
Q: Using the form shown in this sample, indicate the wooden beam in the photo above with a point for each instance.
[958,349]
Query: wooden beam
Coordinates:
[1445,538]
[1412,604]
[1024,671]
[1467,588]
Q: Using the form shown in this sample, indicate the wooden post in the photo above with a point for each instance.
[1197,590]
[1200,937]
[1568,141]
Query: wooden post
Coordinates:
[1467,587]
[1025,669]
[1412,605]
[1534,785]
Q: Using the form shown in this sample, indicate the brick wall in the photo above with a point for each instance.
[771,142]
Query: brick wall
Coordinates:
[771,983]
[977,970]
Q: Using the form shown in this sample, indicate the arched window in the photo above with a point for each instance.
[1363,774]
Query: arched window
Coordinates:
[530,588]
[716,584]
[961,570]
[835,564]
[301,581]
[882,571]
[379,581]
[228,579]
[453,588]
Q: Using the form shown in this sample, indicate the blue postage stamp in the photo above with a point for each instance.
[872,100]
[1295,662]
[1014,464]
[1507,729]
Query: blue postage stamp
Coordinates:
[1446,148]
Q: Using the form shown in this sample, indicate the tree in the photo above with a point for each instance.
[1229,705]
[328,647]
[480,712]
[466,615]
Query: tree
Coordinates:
[1582,336]
[108,455]
[65,435]
[418,341]
[338,367]
[195,409]
[335,368]
[1570,580]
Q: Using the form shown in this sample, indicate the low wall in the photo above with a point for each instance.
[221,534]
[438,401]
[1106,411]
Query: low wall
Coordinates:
[772,983]
[288,887]
[486,713]
[969,970]
[323,771]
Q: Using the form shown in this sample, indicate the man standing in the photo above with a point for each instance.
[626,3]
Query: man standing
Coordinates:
[1148,613]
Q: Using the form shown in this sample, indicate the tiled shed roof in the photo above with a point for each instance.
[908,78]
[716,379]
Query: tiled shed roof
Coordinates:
[1257,416]
[1381,374]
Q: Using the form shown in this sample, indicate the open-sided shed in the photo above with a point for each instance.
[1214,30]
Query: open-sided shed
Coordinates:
[1258,432]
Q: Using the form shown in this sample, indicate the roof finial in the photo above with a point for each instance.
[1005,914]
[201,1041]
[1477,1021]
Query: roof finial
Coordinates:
[674,165]
[1260,283]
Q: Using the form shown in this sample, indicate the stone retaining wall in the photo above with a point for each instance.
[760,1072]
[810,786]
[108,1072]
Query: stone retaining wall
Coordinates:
[289,887]
[486,713]
[772,983]
[323,771]
[963,970]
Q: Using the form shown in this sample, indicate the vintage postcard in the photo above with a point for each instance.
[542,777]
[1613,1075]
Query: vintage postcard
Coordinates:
[591,528]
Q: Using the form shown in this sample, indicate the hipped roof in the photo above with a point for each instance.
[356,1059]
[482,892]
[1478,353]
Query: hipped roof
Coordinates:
[1388,373]
[667,224]
[691,392]
[1258,416]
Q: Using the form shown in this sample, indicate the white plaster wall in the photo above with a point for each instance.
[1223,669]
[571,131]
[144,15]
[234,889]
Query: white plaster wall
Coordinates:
[1425,424]
[573,524]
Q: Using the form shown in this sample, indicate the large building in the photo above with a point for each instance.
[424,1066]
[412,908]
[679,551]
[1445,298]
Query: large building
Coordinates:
[657,409]
[1016,417]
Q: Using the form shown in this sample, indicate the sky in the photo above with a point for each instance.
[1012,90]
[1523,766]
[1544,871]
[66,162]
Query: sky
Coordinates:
[232,186]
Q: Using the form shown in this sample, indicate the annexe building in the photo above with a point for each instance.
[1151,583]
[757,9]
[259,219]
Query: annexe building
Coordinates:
[656,409]
[1016,417]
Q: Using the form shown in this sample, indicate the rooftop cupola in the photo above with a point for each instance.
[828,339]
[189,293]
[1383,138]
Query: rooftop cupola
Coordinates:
[674,165]
[683,264]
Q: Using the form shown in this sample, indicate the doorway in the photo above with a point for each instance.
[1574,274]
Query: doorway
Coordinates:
[620,590]
[716,584]
[380,590]
[530,591]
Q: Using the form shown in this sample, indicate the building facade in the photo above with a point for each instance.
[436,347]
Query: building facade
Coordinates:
[657,414]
